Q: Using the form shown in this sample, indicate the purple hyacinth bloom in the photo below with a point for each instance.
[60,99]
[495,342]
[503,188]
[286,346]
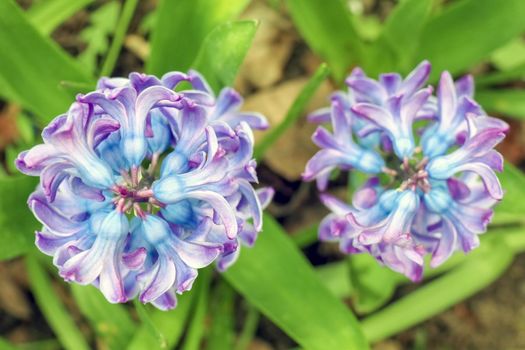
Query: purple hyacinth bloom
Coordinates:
[141,186]
[432,198]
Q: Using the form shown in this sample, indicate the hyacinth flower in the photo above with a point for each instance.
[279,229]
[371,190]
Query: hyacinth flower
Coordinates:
[432,168]
[141,186]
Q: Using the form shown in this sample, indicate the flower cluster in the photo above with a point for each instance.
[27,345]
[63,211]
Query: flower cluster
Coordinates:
[140,185]
[431,164]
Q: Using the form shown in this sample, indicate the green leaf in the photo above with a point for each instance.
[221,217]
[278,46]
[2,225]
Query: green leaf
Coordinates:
[293,113]
[46,16]
[512,206]
[336,277]
[466,32]
[170,324]
[193,338]
[328,29]
[306,236]
[223,51]
[250,324]
[510,56]
[16,220]
[373,284]
[517,73]
[221,334]
[118,38]
[507,102]
[103,22]
[56,314]
[32,66]
[276,278]
[182,26]
[111,322]
[484,266]
[396,47]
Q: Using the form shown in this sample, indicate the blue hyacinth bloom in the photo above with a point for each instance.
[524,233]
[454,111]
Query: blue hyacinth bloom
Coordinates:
[141,186]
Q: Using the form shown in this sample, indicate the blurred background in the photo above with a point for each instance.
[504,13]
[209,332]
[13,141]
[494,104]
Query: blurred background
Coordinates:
[284,55]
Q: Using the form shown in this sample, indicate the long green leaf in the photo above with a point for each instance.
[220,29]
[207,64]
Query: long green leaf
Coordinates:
[46,16]
[328,28]
[182,26]
[223,51]
[169,323]
[294,112]
[17,224]
[193,338]
[54,311]
[482,268]
[276,278]
[118,39]
[467,32]
[111,322]
[221,334]
[517,73]
[395,48]
[508,102]
[512,207]
[32,66]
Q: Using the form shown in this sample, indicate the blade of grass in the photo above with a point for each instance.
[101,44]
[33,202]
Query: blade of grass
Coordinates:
[196,328]
[54,311]
[251,322]
[149,324]
[294,112]
[118,38]
[221,332]
[170,324]
[517,73]
[46,16]
[111,322]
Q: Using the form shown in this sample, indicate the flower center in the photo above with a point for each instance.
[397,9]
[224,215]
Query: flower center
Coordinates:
[134,193]
[411,174]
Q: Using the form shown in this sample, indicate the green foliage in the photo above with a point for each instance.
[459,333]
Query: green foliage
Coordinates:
[182,26]
[54,311]
[484,265]
[466,32]
[17,225]
[196,328]
[102,24]
[46,16]
[222,324]
[510,102]
[111,322]
[397,44]
[218,65]
[328,28]
[276,278]
[512,207]
[161,329]
[32,66]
